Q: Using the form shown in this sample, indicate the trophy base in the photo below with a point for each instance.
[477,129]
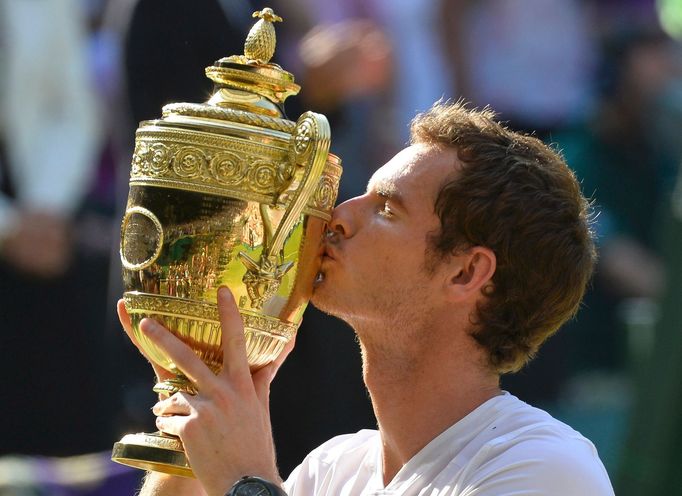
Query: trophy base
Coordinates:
[157,452]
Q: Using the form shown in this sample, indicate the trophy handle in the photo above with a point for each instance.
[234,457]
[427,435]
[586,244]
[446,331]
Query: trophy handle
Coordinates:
[308,150]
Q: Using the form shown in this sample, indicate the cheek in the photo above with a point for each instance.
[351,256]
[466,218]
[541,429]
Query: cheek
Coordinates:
[392,260]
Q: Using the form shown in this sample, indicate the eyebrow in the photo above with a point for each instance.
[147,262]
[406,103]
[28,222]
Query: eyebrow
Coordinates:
[387,189]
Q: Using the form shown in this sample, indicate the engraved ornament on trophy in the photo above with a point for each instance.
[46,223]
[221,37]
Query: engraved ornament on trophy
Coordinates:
[224,193]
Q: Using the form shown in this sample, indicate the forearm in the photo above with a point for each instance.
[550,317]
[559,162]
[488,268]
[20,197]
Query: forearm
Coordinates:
[157,484]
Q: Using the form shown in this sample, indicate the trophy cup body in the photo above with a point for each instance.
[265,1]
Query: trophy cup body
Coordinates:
[226,193]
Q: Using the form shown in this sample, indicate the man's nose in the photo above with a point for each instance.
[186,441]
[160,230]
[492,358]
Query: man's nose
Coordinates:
[342,220]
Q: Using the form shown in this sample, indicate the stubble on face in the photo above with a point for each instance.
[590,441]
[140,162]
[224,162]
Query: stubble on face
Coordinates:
[396,330]
[391,310]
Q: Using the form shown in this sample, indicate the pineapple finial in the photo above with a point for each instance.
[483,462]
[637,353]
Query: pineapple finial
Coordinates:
[261,40]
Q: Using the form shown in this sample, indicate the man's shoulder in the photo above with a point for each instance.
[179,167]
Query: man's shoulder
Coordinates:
[355,444]
[544,460]
[539,450]
[338,460]
[502,447]
[524,428]
[513,416]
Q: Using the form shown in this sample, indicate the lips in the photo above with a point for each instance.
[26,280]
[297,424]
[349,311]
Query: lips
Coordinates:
[328,256]
[329,252]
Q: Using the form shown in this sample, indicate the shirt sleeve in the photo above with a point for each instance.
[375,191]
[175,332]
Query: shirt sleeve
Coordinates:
[290,484]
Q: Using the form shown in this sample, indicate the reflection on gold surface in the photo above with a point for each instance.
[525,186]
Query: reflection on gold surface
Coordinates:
[226,193]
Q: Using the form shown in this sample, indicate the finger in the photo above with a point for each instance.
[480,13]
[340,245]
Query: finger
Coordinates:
[182,355]
[124,317]
[263,377]
[268,372]
[178,404]
[173,425]
[261,383]
[235,364]
[288,348]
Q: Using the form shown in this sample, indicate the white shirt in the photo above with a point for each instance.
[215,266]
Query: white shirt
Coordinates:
[504,447]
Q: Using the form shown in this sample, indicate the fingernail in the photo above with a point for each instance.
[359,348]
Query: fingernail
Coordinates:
[149,325]
[156,408]
[224,293]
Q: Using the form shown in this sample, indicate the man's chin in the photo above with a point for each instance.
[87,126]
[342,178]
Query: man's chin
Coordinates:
[317,299]
[329,298]
[322,300]
[330,306]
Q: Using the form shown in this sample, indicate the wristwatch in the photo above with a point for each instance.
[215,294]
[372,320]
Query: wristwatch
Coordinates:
[255,486]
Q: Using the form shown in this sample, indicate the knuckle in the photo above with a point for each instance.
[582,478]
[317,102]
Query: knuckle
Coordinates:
[202,411]
[222,398]
[237,340]
[190,427]
[161,424]
[243,386]
[182,431]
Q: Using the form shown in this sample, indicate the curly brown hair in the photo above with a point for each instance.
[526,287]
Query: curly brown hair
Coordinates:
[514,195]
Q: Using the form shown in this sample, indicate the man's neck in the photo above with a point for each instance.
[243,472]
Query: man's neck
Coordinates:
[417,397]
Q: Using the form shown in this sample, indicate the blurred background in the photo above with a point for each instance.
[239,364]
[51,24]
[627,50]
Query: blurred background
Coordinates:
[601,80]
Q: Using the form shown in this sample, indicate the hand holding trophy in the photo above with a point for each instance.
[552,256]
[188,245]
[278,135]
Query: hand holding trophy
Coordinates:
[225,193]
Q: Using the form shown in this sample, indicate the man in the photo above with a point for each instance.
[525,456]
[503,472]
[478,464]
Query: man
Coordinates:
[469,249]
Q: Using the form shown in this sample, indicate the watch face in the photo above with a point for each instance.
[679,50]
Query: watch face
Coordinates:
[253,488]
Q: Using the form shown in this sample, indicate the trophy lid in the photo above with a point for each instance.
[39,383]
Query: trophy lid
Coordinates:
[248,82]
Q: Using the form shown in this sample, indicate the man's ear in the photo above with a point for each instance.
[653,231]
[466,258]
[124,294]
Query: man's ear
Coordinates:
[469,272]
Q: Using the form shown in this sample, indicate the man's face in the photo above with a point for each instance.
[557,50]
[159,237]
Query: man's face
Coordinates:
[374,267]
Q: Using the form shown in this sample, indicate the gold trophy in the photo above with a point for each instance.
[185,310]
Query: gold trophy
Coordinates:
[228,192]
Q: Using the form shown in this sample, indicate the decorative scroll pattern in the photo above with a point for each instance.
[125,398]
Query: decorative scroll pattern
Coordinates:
[197,324]
[211,167]
[324,198]
[196,310]
[303,140]
[228,167]
[164,442]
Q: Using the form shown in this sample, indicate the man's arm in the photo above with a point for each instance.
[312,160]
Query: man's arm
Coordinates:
[225,428]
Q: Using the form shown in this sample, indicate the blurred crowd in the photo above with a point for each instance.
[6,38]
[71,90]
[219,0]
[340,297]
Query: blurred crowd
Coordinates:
[601,80]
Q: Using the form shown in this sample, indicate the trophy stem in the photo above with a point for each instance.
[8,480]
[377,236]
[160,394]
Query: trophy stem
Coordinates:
[156,451]
[177,384]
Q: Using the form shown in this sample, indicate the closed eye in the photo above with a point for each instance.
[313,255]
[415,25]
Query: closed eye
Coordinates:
[385,209]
